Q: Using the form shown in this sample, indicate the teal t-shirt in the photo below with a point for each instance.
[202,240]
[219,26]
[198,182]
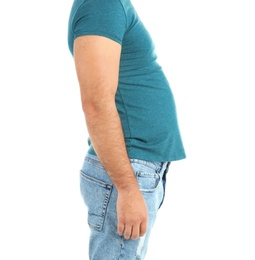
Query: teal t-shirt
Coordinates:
[144,99]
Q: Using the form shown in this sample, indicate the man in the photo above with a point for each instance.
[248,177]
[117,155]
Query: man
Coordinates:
[132,124]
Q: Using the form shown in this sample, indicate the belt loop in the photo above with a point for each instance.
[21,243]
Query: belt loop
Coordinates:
[161,167]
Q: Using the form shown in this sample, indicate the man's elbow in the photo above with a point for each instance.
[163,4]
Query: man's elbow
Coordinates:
[95,106]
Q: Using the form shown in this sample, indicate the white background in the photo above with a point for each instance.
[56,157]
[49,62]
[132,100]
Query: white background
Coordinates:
[206,49]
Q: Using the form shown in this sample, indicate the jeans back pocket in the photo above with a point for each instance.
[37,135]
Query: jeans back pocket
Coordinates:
[96,196]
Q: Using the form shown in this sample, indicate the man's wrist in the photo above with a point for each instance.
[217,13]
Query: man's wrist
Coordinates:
[129,187]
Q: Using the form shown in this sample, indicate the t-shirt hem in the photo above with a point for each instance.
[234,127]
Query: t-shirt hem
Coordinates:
[109,36]
[147,157]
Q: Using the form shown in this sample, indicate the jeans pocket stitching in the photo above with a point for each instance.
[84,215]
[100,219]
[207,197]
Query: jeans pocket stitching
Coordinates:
[99,216]
[101,183]
[147,176]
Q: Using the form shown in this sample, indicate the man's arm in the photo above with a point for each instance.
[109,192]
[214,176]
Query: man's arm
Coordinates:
[97,64]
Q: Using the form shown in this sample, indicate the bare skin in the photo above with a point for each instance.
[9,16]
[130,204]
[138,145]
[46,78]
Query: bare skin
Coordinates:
[97,65]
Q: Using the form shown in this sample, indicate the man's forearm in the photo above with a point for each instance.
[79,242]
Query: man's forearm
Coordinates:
[106,134]
[97,61]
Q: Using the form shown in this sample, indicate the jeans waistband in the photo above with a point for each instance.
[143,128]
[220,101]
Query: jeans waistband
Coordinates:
[157,166]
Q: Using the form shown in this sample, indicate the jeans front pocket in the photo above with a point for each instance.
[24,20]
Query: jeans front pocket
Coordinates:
[96,196]
[148,182]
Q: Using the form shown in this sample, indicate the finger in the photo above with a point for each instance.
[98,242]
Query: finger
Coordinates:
[127,232]
[143,228]
[135,232]
[121,228]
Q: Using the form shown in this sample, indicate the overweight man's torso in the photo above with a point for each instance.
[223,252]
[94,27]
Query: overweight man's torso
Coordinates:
[144,99]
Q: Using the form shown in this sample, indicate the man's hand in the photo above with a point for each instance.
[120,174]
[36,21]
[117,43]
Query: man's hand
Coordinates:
[132,214]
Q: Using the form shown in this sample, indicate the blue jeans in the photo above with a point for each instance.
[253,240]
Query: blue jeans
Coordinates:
[100,197]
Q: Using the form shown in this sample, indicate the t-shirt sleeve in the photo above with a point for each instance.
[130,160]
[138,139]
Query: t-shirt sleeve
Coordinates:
[100,17]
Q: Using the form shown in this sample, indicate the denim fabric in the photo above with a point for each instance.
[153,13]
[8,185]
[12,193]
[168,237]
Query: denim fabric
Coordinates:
[100,196]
